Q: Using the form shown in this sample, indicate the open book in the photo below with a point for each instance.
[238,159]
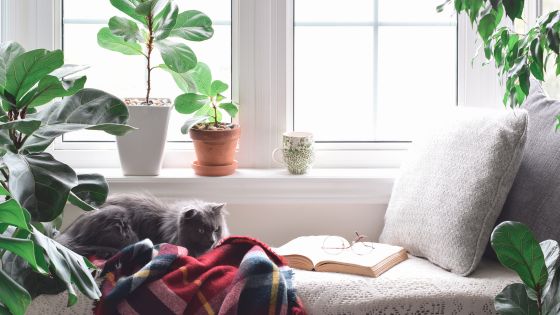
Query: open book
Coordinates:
[307,253]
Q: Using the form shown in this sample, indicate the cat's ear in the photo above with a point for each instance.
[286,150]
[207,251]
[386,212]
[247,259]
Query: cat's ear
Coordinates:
[189,214]
[218,208]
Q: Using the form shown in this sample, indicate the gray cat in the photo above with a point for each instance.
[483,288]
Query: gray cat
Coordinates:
[126,219]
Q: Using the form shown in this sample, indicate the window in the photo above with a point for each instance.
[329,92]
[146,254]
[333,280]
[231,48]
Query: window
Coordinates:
[124,76]
[366,70]
[552,83]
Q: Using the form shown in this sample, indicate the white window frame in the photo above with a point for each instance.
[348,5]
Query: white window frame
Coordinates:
[262,45]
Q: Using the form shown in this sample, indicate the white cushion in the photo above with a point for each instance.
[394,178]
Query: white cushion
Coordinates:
[450,192]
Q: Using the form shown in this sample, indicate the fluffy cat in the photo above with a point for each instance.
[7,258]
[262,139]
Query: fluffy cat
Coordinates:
[126,219]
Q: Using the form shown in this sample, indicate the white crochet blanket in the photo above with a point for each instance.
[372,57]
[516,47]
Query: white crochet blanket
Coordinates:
[414,287]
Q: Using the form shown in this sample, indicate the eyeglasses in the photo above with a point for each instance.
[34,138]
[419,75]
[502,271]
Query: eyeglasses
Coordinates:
[335,245]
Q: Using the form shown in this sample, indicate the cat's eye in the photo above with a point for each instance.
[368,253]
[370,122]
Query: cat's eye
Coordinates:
[218,229]
[201,231]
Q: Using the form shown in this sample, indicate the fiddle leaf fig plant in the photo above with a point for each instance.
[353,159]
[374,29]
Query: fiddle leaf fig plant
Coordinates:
[34,186]
[537,266]
[156,24]
[203,99]
[516,55]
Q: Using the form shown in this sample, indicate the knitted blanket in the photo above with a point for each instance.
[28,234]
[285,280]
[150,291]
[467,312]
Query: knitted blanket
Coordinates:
[240,276]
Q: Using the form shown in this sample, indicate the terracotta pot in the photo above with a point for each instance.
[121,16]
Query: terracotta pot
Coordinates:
[215,151]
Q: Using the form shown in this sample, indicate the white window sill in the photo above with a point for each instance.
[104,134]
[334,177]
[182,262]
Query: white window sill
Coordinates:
[262,186]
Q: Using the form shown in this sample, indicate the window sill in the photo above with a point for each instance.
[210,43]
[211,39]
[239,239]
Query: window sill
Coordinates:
[262,186]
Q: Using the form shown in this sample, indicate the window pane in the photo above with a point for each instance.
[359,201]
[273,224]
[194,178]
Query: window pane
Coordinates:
[366,78]
[552,82]
[124,76]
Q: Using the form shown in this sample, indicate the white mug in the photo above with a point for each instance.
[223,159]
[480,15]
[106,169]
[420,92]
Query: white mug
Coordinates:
[297,152]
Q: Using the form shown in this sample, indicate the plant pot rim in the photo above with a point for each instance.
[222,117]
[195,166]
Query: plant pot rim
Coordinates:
[167,103]
[235,128]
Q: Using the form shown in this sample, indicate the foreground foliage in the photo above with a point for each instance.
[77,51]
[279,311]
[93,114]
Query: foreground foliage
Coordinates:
[34,186]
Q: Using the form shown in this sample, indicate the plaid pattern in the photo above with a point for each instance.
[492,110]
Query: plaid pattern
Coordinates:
[240,276]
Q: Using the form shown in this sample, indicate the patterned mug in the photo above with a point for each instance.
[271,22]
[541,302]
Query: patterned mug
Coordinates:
[297,152]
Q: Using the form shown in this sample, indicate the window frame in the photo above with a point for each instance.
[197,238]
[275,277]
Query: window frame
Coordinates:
[262,45]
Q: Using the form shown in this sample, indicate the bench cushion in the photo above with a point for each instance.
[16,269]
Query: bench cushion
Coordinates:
[415,286]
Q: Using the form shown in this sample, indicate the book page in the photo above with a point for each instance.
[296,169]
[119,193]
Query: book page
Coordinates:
[311,247]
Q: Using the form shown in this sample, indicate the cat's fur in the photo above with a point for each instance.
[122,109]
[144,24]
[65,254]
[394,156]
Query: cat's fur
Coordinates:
[126,219]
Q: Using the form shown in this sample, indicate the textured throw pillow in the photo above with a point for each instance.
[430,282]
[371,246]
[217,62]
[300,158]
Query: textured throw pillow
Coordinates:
[534,198]
[453,187]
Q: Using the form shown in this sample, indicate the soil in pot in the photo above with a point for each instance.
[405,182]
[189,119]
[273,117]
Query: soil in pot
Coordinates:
[215,148]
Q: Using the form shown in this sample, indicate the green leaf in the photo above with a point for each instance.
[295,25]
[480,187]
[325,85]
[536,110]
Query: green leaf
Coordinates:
[214,116]
[8,52]
[177,56]
[88,109]
[4,192]
[29,68]
[150,7]
[107,40]
[486,26]
[203,111]
[166,21]
[218,87]
[68,70]
[125,28]
[49,88]
[537,71]
[183,80]
[40,183]
[128,7]
[13,295]
[193,25]
[202,78]
[551,252]
[517,249]
[231,108]
[513,300]
[90,193]
[189,103]
[26,126]
[524,80]
[69,267]
[13,214]
[514,8]
[191,122]
[24,248]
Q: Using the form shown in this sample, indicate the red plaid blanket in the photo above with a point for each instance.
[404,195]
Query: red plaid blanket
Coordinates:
[239,276]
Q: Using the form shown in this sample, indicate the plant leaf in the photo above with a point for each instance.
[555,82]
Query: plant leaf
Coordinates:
[191,122]
[513,300]
[231,108]
[24,248]
[551,252]
[128,7]
[108,40]
[166,21]
[68,70]
[177,56]
[88,109]
[69,267]
[218,87]
[49,88]
[183,80]
[26,126]
[193,25]
[40,184]
[517,249]
[8,52]
[90,193]
[202,78]
[125,28]
[13,295]
[514,8]
[189,103]
[30,67]
[13,214]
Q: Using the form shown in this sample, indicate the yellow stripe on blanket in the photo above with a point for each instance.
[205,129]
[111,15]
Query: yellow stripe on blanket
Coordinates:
[274,290]
[205,303]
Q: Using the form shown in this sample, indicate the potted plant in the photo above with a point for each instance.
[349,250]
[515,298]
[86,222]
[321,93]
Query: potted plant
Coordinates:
[215,141]
[34,186]
[155,25]
[537,266]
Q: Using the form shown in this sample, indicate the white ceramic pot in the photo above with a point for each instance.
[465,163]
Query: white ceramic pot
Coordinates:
[141,151]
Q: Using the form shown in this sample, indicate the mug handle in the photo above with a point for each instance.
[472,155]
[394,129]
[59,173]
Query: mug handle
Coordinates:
[279,161]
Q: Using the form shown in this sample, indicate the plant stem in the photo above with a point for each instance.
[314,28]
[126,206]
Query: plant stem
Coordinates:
[215,113]
[150,46]
[539,300]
